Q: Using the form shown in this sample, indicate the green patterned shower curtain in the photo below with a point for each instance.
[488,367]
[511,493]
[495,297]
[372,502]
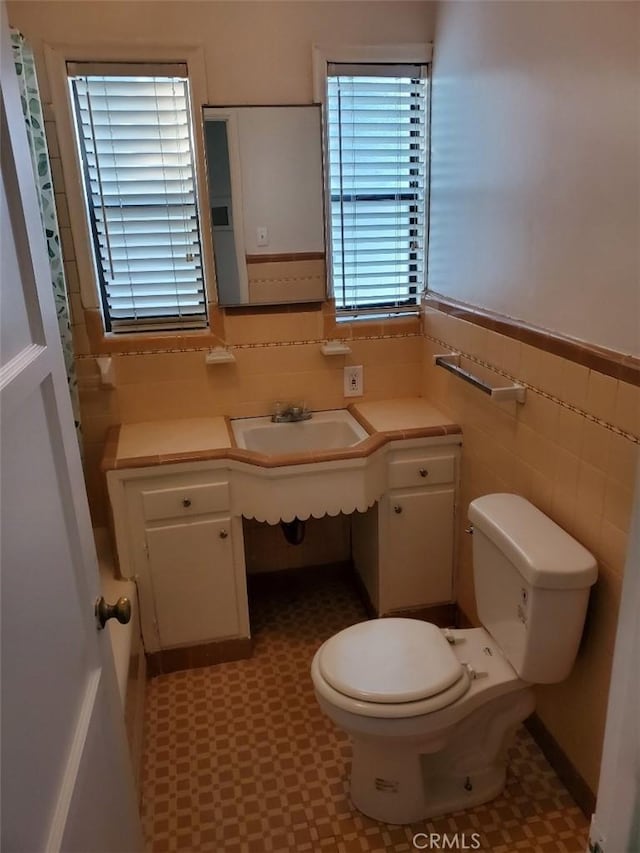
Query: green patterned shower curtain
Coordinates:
[32,109]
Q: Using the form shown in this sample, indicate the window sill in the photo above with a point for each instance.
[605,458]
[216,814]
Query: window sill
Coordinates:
[337,325]
[99,342]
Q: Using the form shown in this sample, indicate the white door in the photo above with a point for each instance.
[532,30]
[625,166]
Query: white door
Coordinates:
[616,823]
[66,780]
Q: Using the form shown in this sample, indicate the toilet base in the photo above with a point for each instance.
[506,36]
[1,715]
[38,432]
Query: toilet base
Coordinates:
[399,783]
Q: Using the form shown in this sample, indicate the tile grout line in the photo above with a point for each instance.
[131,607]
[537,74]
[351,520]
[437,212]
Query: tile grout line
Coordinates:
[563,403]
[260,345]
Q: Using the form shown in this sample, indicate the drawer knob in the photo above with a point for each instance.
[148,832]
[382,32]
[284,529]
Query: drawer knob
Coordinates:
[397,509]
[423,472]
[186,503]
[223,534]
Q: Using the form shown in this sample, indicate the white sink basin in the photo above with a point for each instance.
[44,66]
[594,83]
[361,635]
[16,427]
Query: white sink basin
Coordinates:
[331,430]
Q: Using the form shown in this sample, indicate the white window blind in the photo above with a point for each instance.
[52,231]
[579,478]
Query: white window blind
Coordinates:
[378,159]
[134,136]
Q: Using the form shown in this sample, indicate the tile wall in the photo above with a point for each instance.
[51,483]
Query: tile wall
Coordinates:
[275,280]
[573,450]
[277,357]
[178,384]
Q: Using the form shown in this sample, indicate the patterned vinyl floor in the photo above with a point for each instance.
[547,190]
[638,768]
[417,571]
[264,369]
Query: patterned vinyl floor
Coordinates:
[239,758]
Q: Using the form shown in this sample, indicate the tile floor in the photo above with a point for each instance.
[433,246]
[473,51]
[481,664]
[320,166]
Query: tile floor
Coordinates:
[239,758]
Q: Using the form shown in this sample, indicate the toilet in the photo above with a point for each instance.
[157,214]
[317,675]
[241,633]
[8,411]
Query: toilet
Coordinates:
[432,712]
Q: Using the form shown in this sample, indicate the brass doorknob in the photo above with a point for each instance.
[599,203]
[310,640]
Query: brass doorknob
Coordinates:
[121,611]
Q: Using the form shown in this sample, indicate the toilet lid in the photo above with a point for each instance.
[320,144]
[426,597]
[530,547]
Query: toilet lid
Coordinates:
[389,660]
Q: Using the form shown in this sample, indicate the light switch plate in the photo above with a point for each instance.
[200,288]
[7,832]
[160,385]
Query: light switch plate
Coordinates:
[353,381]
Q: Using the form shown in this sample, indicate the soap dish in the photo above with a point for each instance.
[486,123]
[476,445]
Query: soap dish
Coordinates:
[335,348]
[219,355]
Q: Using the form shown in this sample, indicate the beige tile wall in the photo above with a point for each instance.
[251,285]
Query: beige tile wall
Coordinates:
[280,281]
[572,449]
[167,385]
[277,358]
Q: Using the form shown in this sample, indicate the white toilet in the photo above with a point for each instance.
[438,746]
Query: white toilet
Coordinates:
[432,712]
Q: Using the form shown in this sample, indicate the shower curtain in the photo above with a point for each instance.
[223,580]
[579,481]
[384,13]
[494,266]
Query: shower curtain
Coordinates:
[32,109]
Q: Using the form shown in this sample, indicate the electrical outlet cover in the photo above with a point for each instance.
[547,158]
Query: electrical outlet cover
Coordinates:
[353,381]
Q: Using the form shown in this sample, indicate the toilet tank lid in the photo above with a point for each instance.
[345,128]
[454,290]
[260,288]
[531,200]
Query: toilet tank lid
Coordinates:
[544,554]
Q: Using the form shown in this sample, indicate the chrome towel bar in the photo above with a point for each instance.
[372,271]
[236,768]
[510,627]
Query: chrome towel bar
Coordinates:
[501,394]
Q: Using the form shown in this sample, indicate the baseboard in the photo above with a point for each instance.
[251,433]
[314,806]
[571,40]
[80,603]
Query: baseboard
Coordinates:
[194,657]
[301,577]
[442,615]
[562,764]
[462,620]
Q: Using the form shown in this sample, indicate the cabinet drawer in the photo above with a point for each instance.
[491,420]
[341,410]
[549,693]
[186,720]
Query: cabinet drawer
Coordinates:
[426,471]
[190,500]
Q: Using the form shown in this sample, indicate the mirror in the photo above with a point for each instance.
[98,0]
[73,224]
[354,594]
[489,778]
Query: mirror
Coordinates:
[266,203]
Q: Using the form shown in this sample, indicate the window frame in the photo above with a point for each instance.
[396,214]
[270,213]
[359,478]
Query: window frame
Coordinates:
[101,237]
[407,54]
[56,58]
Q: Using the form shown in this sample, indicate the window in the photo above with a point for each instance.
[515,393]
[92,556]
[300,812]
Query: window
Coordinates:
[135,142]
[378,171]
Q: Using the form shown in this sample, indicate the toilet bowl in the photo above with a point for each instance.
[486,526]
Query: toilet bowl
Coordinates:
[430,712]
[419,757]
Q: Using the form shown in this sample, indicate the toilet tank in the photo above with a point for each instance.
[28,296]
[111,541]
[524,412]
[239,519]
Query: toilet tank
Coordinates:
[532,585]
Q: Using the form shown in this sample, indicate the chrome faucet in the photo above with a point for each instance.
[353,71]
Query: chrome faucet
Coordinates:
[290,414]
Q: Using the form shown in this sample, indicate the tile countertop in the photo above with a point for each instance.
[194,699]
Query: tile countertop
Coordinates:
[198,439]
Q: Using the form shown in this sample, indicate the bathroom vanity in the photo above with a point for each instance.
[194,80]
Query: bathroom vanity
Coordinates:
[178,492]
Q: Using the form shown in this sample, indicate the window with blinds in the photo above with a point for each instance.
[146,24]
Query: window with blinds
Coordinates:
[377,128]
[135,142]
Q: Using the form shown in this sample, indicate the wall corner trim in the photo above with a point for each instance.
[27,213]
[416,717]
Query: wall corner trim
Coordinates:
[625,368]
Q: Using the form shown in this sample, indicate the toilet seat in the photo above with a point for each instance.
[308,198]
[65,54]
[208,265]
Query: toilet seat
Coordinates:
[389,660]
[389,668]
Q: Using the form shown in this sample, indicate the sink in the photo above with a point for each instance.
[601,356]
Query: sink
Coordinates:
[332,430]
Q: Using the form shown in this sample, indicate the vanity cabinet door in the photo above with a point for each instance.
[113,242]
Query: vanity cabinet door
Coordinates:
[193,581]
[416,543]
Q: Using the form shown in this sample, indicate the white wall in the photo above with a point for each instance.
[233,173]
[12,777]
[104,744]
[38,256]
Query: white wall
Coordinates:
[281,163]
[536,164]
[256,52]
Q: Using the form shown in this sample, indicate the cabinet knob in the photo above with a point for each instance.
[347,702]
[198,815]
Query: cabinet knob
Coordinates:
[186,503]
[423,472]
[397,509]
[223,534]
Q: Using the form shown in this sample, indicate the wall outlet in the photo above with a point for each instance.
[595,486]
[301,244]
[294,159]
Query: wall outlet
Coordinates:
[262,235]
[353,381]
